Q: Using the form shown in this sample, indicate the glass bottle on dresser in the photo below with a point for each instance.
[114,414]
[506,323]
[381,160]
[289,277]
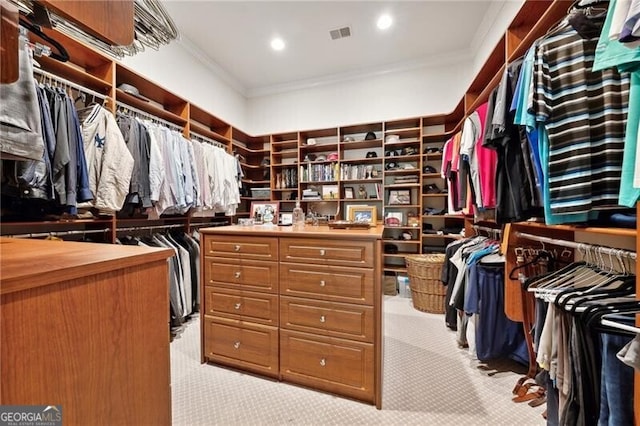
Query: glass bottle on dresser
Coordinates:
[298,215]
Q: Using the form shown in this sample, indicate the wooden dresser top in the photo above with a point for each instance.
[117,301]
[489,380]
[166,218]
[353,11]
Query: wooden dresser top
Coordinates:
[308,231]
[34,263]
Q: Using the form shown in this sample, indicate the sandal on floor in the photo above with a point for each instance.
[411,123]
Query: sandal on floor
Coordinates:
[538,401]
[534,392]
[524,388]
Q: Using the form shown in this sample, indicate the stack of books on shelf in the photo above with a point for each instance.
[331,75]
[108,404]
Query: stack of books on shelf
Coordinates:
[319,172]
[310,195]
[405,179]
[357,171]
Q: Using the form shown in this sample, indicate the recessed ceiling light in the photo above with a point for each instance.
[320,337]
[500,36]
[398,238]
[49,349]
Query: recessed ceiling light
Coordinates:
[277,43]
[384,21]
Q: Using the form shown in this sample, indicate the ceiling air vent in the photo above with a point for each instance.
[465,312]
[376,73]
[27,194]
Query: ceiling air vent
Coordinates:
[340,33]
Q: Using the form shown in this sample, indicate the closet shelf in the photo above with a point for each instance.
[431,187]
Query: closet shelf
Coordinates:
[251,166]
[555,12]
[620,232]
[403,185]
[400,131]
[432,175]
[284,189]
[371,143]
[372,180]
[401,206]
[401,171]
[447,236]
[484,94]
[284,165]
[429,157]
[400,254]
[325,147]
[240,147]
[395,268]
[252,181]
[205,131]
[402,142]
[376,160]
[412,228]
[288,153]
[73,73]
[150,108]
[443,216]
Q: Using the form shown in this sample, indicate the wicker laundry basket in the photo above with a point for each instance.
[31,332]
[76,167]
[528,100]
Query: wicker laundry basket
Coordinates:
[427,291]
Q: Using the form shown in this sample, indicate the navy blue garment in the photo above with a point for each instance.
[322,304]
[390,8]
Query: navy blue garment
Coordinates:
[496,335]
[616,387]
[83,192]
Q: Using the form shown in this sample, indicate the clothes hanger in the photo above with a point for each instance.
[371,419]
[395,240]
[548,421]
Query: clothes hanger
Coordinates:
[62,55]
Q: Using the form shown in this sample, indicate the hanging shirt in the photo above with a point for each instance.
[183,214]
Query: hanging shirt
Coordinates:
[584,113]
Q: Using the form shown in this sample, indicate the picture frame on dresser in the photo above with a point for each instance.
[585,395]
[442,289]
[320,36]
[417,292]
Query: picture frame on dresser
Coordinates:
[267,211]
[363,214]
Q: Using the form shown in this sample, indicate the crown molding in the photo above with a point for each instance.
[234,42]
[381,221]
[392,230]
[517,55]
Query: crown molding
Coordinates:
[434,61]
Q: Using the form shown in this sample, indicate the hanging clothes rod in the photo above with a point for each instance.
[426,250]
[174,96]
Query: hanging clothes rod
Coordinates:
[197,136]
[620,326]
[200,225]
[149,116]
[69,83]
[574,245]
[60,233]
[147,228]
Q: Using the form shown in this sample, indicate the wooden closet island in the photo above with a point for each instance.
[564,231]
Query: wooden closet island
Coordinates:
[298,304]
[86,326]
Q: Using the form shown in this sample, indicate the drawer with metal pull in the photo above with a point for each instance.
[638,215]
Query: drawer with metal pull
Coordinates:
[241,247]
[331,283]
[327,318]
[334,365]
[253,275]
[241,305]
[245,345]
[327,252]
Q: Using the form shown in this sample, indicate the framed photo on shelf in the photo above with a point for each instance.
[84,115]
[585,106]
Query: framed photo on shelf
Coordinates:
[330,192]
[400,196]
[366,214]
[348,193]
[267,211]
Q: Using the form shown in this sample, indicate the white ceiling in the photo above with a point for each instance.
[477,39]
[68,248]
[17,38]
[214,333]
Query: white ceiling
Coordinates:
[233,38]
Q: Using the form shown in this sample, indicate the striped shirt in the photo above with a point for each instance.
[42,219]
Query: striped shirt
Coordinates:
[584,112]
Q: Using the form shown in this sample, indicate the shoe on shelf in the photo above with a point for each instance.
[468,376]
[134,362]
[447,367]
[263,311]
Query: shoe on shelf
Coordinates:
[432,188]
[432,150]
[429,169]
[432,211]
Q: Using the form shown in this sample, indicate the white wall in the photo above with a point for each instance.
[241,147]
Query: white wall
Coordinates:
[410,93]
[180,71]
[418,91]
[491,30]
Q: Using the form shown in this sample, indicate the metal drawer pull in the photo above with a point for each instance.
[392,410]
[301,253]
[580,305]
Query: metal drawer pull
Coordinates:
[322,318]
[323,362]
[322,283]
[237,305]
[236,345]
[236,247]
[322,252]
[237,274]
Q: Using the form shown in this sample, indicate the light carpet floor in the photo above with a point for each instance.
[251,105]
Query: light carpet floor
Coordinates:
[427,380]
